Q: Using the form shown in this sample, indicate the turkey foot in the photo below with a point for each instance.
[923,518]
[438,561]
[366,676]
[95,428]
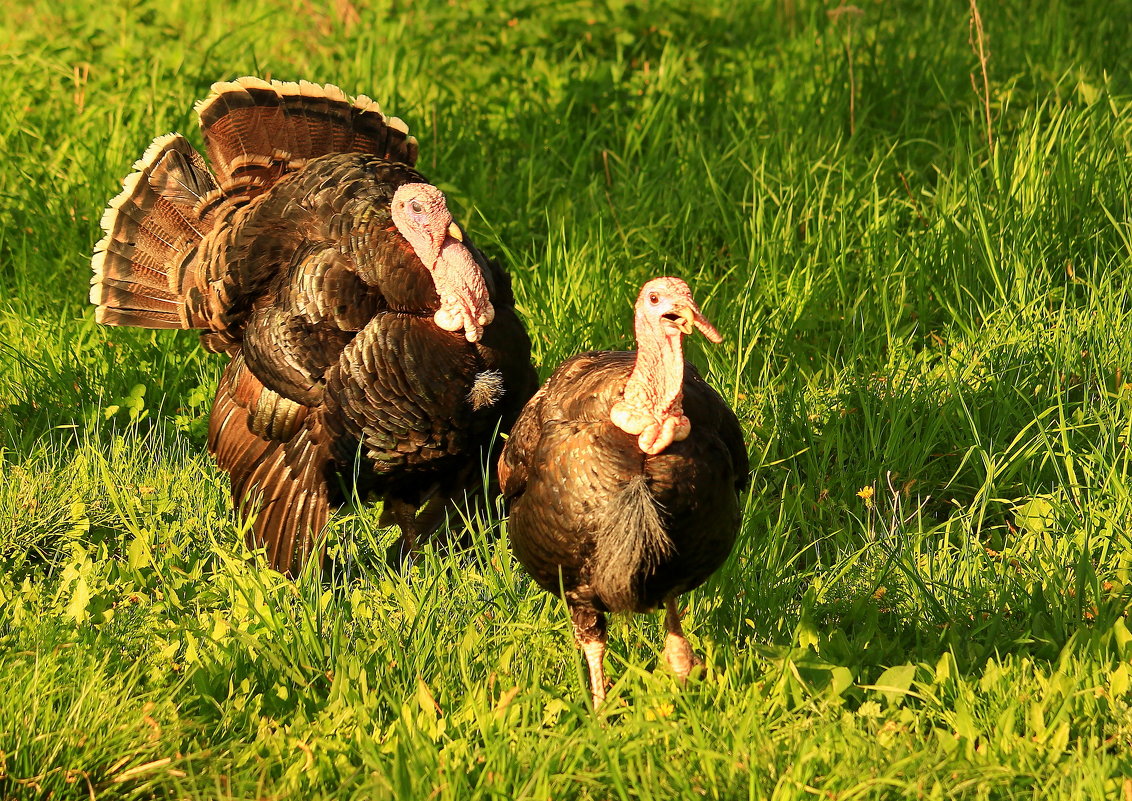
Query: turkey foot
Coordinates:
[590,634]
[416,529]
[677,650]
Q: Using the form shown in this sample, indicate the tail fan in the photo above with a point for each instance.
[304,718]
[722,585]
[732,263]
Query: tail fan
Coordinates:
[635,543]
[152,230]
[256,131]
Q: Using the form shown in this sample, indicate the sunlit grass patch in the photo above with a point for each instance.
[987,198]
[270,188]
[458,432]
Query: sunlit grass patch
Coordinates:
[927,343]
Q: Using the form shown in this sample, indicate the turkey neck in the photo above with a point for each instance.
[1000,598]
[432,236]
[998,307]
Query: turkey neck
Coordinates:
[656,385]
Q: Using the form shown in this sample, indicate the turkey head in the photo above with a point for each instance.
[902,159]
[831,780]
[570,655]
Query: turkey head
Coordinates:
[651,406]
[421,215]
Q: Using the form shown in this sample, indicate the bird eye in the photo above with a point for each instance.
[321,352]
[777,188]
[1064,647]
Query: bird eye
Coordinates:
[654,298]
[416,207]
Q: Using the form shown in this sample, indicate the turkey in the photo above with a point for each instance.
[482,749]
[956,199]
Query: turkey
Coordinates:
[622,476]
[372,348]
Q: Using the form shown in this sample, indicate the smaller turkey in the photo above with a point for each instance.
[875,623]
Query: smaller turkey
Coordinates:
[622,477]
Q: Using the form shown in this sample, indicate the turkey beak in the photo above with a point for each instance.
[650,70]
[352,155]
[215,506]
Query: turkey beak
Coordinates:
[455,232]
[691,318]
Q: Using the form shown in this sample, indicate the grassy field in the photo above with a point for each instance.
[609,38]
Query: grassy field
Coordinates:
[917,256]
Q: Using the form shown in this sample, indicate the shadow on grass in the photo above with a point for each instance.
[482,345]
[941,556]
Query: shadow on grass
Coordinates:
[93,382]
[904,516]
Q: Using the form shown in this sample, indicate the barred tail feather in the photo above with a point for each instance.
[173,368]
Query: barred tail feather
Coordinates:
[152,229]
[256,131]
[276,456]
[632,543]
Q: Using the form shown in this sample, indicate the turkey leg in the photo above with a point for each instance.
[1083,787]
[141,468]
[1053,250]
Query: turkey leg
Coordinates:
[590,634]
[677,650]
[415,529]
[419,524]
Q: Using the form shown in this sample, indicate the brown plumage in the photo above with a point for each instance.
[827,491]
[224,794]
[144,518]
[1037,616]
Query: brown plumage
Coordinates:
[372,348]
[622,477]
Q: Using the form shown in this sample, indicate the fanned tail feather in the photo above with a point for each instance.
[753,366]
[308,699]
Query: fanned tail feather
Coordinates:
[152,229]
[256,131]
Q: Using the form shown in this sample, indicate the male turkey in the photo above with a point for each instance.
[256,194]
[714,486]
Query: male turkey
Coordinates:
[373,348]
[623,475]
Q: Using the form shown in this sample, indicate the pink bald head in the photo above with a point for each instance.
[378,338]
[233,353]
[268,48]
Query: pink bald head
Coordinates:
[421,215]
[651,407]
[665,308]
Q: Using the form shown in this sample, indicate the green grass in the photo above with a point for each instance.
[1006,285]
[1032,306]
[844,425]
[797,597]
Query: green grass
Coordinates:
[906,309]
